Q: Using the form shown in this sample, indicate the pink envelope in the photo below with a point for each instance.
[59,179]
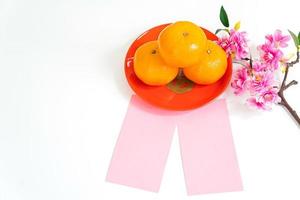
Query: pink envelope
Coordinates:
[207,148]
[142,147]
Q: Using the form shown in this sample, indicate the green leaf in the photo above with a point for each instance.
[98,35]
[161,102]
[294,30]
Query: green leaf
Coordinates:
[299,38]
[295,38]
[224,17]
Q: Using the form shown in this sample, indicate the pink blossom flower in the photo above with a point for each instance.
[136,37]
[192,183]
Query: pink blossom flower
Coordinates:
[225,43]
[271,95]
[239,43]
[278,39]
[265,100]
[258,103]
[261,81]
[235,44]
[239,84]
[259,66]
[270,55]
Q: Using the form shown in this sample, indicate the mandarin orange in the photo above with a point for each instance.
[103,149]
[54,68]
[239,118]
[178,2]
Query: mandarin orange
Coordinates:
[182,43]
[211,68]
[150,67]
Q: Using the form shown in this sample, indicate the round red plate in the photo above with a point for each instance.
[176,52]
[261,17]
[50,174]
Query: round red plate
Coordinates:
[162,96]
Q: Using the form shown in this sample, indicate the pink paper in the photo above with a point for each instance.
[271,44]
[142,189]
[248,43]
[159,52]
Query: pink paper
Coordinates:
[207,149]
[142,147]
[208,156]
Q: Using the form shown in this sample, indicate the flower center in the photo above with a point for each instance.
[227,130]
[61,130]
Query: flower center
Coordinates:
[258,78]
[268,97]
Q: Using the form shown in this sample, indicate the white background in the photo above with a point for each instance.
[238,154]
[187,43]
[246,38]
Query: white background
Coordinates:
[63,97]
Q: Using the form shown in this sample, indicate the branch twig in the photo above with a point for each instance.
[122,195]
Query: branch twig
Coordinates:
[240,63]
[293,82]
[285,86]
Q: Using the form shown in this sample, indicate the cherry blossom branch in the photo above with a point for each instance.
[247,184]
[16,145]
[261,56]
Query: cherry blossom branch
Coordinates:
[293,82]
[256,77]
[239,62]
[285,86]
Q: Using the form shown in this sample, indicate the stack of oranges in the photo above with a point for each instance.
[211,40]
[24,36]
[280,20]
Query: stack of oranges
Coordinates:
[181,46]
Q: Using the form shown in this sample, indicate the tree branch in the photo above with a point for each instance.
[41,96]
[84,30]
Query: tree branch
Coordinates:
[285,86]
[293,82]
[295,61]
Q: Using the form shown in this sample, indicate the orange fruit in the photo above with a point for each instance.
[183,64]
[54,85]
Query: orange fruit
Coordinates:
[150,67]
[181,44]
[211,68]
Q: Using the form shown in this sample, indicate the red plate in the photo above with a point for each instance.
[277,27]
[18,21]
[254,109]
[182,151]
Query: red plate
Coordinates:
[163,96]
